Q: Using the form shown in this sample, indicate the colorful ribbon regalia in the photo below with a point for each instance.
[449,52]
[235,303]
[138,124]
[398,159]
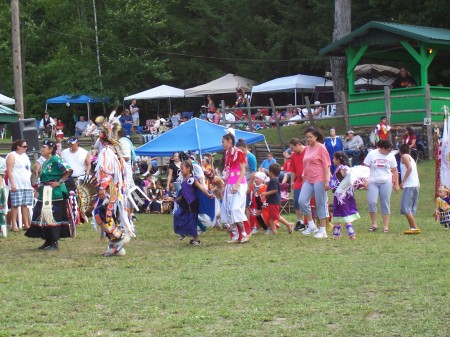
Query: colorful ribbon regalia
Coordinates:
[111,213]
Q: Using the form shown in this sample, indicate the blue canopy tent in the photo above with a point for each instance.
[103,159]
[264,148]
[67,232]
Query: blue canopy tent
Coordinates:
[196,135]
[81,99]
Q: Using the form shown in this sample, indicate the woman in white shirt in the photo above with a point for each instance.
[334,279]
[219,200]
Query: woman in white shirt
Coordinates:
[383,172]
[18,168]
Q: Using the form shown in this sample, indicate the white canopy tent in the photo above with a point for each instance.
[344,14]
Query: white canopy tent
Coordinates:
[296,83]
[5,100]
[223,85]
[376,83]
[163,91]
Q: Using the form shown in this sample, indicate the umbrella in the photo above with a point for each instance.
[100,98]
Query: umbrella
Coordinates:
[375,70]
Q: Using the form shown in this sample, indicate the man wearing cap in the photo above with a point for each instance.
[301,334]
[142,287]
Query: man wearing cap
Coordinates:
[79,160]
[353,145]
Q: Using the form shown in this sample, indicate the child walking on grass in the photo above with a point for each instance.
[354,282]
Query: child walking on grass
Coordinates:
[410,186]
[185,218]
[443,206]
[273,199]
[344,204]
[257,212]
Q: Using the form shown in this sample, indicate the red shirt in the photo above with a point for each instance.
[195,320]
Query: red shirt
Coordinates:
[297,168]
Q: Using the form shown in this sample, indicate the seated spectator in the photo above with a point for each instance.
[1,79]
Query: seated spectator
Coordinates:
[318,110]
[285,173]
[353,145]
[91,129]
[295,118]
[59,129]
[47,125]
[80,126]
[264,167]
[127,122]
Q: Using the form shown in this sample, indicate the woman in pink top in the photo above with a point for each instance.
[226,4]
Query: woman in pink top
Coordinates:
[232,210]
[316,177]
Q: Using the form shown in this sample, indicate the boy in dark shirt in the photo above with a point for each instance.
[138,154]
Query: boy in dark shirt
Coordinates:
[273,199]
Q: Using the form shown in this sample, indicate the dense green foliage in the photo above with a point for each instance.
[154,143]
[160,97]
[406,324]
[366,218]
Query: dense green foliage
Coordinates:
[145,43]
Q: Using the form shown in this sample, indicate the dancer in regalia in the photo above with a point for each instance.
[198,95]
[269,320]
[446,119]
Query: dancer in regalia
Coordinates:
[185,219]
[233,204]
[344,204]
[111,207]
[50,221]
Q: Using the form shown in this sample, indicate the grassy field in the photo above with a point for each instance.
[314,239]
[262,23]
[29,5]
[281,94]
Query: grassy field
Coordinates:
[378,285]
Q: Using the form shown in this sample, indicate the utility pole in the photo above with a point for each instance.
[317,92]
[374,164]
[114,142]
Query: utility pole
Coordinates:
[17,57]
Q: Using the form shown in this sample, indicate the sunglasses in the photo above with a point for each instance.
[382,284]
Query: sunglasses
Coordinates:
[24,146]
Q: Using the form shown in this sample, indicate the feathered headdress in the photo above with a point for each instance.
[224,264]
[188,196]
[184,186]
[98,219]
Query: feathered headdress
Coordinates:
[109,128]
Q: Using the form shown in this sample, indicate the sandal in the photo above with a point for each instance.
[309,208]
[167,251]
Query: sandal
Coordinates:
[373,228]
[386,230]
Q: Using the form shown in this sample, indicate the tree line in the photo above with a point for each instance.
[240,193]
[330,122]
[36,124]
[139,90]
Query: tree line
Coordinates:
[183,43]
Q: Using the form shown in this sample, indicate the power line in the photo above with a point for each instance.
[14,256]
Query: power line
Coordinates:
[183,54]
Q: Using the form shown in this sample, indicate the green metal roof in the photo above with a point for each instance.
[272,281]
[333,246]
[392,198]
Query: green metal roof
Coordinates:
[383,36]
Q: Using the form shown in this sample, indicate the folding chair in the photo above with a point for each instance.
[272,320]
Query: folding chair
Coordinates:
[285,190]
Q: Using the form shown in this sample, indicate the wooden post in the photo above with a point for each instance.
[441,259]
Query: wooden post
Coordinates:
[345,110]
[17,58]
[274,113]
[249,116]
[310,112]
[429,126]
[387,107]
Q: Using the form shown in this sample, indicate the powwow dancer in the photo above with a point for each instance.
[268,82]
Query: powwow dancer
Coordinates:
[233,204]
[50,221]
[344,204]
[110,209]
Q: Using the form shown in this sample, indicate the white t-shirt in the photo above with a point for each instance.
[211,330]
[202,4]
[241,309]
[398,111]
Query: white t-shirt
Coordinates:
[21,172]
[380,166]
[76,161]
[413,178]
[125,148]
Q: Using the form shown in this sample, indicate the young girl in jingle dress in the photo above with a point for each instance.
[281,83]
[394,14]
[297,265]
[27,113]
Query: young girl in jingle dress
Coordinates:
[442,212]
[344,206]
[232,210]
[185,219]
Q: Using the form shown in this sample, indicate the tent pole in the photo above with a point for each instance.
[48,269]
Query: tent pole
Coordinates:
[89,111]
[46,106]
[295,96]
[267,145]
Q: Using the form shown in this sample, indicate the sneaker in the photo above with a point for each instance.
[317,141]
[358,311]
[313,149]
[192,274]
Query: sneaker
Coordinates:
[310,230]
[233,241]
[299,226]
[321,235]
[45,245]
[182,237]
[195,242]
[244,239]
[133,218]
[268,231]
[254,230]
[413,231]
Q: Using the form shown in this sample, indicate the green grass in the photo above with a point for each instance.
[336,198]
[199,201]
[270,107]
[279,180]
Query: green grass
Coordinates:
[378,285]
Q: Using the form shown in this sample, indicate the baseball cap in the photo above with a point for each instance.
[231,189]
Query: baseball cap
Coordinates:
[261,175]
[73,140]
[350,132]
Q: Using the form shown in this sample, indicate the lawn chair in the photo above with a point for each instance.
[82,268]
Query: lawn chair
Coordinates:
[285,191]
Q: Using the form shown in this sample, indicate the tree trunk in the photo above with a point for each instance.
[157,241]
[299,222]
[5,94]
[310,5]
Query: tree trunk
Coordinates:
[342,26]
